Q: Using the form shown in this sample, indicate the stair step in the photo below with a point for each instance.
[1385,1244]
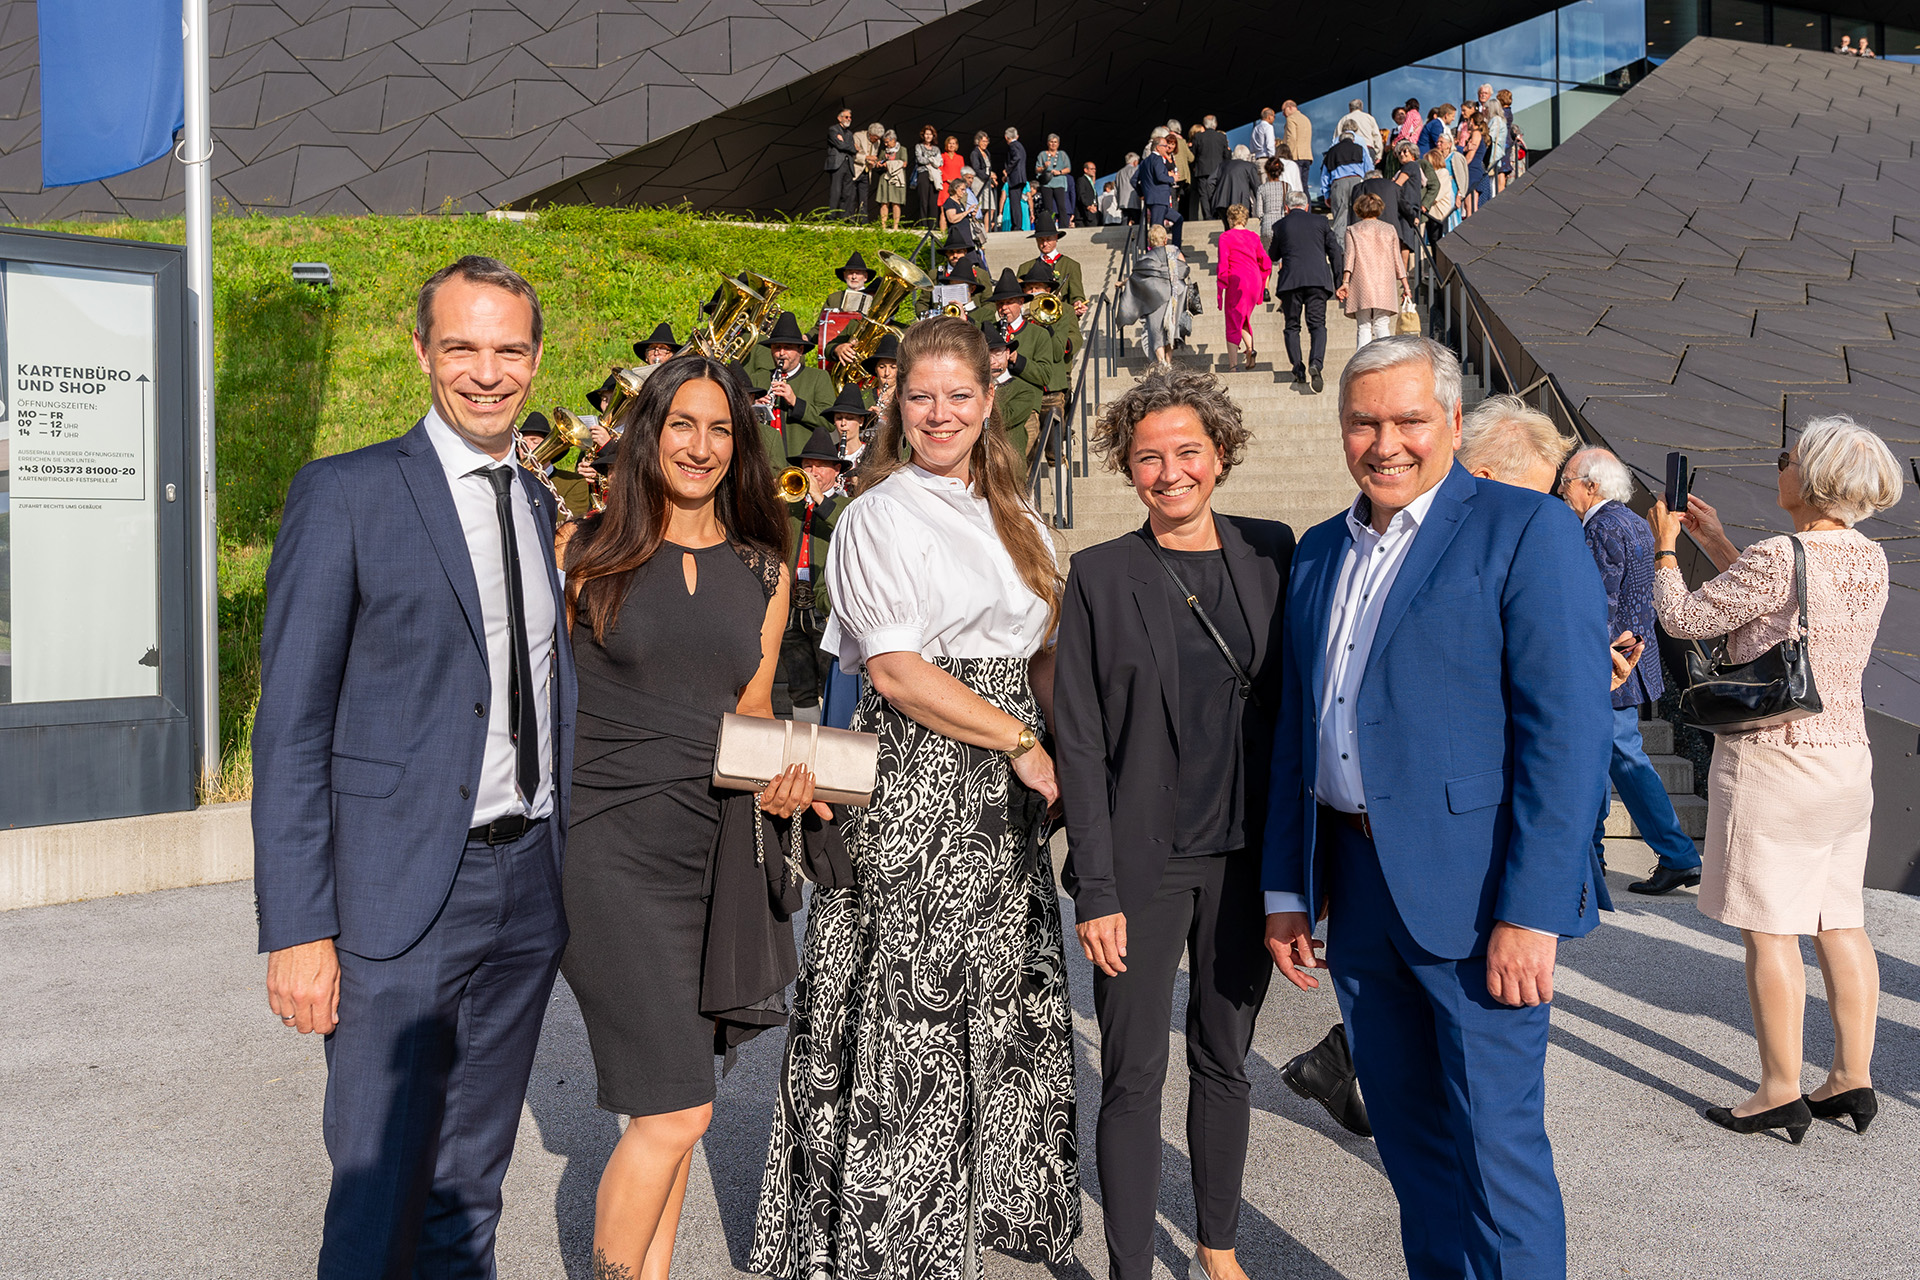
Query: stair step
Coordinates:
[1690,809]
[1656,736]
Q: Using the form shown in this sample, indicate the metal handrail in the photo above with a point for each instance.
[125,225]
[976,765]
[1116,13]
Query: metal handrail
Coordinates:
[1052,455]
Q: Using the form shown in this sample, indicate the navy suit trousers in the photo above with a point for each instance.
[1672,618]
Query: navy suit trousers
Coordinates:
[1455,1087]
[428,1068]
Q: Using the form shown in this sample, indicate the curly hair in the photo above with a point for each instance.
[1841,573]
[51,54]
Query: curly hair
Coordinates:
[1194,389]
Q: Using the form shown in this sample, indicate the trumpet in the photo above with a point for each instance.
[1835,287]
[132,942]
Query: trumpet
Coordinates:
[1044,309]
[953,309]
[793,484]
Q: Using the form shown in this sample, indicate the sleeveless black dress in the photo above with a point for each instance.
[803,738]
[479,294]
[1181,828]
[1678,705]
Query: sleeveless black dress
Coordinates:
[645,814]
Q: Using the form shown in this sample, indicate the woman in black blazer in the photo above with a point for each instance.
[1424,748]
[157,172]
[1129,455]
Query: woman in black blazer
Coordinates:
[1163,750]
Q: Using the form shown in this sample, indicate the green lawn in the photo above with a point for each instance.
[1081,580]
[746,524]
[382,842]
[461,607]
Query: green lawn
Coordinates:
[301,373]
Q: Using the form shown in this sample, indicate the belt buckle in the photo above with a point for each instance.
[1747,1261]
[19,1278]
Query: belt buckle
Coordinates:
[507,828]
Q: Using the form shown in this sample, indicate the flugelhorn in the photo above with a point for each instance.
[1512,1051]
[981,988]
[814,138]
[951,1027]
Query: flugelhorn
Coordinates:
[569,432]
[793,483]
[1045,309]
[627,382]
[953,309]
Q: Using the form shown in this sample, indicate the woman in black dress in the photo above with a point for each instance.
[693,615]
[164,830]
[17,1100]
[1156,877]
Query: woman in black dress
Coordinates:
[678,598]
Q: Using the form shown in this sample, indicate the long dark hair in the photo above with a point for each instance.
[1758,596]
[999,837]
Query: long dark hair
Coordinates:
[609,547]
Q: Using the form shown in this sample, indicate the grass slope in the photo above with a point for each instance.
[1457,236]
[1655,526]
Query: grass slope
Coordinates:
[302,373]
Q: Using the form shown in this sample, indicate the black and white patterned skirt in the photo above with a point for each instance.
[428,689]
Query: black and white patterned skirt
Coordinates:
[926,1110]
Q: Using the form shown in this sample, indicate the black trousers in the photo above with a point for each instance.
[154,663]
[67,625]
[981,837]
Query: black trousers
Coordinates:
[840,190]
[928,194]
[1210,908]
[1313,301]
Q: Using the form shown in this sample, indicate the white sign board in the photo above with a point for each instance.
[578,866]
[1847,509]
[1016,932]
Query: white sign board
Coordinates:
[80,417]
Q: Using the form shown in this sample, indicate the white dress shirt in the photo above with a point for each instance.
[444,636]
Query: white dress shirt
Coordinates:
[1366,577]
[1262,145]
[499,792]
[916,566]
[1590,510]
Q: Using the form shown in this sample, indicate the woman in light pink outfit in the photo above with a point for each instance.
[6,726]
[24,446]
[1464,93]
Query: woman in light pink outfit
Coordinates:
[1244,268]
[1376,273]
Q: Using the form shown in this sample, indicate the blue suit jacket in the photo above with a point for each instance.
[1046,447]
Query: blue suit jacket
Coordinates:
[367,747]
[1622,546]
[1155,179]
[1485,732]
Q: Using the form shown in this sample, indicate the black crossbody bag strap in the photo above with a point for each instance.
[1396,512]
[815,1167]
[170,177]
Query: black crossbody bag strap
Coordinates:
[1193,603]
[1800,585]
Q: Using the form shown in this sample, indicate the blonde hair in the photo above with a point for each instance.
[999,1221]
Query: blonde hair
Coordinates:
[1158,237]
[1846,471]
[1236,215]
[995,466]
[1501,431]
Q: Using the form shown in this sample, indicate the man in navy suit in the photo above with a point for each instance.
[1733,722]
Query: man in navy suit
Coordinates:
[1597,486]
[411,755]
[1156,180]
[1439,756]
[1016,181]
[1311,260]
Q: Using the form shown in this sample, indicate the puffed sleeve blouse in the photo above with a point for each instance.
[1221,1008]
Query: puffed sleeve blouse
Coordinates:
[916,566]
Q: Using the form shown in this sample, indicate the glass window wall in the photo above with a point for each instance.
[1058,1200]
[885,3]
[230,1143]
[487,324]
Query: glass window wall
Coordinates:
[1524,49]
[1601,38]
[1670,24]
[1738,20]
[1797,28]
[1901,44]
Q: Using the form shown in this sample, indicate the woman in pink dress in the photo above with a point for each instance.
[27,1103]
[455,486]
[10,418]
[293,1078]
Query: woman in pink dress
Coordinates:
[1244,268]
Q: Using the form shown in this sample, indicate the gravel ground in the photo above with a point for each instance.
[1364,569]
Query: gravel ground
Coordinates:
[156,1121]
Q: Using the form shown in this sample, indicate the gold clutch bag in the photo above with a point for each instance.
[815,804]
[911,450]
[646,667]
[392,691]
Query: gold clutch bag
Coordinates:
[753,752]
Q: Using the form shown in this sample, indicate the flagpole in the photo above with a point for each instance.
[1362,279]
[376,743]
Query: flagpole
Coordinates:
[195,153]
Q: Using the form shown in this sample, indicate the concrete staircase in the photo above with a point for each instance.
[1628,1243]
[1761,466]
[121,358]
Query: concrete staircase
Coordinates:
[1677,773]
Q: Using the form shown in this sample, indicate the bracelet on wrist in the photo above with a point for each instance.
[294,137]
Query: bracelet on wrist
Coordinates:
[1674,554]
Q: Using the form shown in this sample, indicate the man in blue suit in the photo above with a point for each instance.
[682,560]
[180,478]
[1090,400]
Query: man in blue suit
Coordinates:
[411,758]
[1440,753]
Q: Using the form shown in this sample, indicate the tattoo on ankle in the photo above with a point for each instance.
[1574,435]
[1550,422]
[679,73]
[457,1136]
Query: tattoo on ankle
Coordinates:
[605,1270]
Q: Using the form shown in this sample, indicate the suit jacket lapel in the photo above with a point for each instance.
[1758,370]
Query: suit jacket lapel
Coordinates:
[1150,587]
[1430,542]
[1317,616]
[1257,592]
[427,479]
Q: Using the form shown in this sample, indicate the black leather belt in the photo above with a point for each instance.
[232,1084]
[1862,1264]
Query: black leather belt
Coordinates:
[1357,821]
[503,830]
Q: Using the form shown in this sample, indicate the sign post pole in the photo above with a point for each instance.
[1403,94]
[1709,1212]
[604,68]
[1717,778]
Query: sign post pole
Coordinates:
[196,153]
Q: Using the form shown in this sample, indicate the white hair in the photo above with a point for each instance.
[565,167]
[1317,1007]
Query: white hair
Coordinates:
[1012,133]
[1297,200]
[1133,157]
[1241,152]
[1611,479]
[1503,433]
[1846,471]
[1390,353]
[1487,87]
[1211,123]
[1357,105]
[1173,126]
[1159,132]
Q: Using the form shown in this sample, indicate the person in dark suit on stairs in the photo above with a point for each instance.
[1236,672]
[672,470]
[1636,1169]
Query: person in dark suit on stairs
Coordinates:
[839,164]
[1310,258]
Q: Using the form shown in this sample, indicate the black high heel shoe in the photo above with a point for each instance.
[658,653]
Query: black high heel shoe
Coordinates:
[1795,1117]
[1860,1104]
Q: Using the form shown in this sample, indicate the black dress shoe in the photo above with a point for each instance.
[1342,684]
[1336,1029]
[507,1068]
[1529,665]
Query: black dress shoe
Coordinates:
[1859,1105]
[1299,375]
[1666,879]
[1794,1117]
[1325,1075]
[1319,383]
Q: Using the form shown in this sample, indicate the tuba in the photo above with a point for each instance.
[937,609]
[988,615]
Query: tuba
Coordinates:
[899,279]
[1045,309]
[734,326]
[769,311]
[793,484]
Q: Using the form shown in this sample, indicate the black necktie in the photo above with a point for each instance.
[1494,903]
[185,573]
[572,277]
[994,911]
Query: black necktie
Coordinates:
[523,726]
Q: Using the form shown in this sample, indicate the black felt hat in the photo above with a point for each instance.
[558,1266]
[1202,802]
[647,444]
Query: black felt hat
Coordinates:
[823,445]
[662,336]
[996,336]
[849,402]
[1043,225]
[707,307]
[786,333]
[959,236]
[889,349]
[1008,289]
[855,263]
[536,425]
[1041,272]
[598,396]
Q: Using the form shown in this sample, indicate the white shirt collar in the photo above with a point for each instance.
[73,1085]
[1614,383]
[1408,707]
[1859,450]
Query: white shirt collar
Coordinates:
[458,455]
[1006,376]
[1590,510]
[938,484]
[1414,513]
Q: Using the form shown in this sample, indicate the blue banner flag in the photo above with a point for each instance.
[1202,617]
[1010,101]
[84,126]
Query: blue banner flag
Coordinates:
[112,90]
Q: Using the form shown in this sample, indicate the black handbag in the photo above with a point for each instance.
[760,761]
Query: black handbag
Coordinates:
[1777,687]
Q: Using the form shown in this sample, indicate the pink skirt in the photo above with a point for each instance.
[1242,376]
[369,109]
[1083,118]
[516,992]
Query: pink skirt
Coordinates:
[1787,830]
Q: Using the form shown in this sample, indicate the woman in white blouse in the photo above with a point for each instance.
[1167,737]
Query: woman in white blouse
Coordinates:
[926,1112]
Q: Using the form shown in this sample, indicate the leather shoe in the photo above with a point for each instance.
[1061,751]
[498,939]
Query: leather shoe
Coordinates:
[1325,1074]
[1319,383]
[1666,879]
